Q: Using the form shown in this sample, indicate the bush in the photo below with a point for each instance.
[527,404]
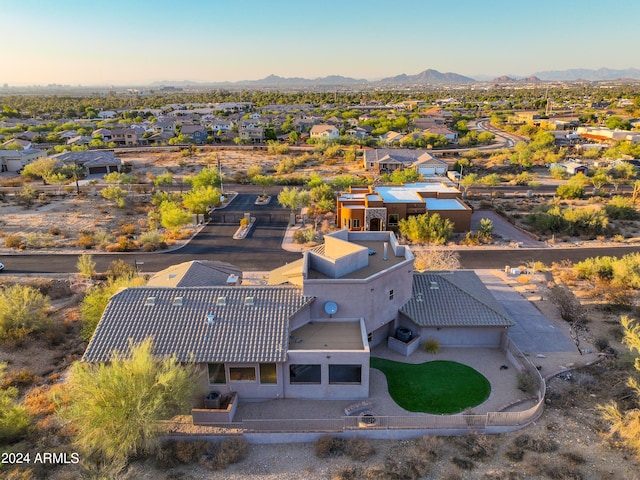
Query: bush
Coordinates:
[86,240]
[538,445]
[360,449]
[189,451]
[431,346]
[13,241]
[23,309]
[232,450]
[526,382]
[19,378]
[303,235]
[327,446]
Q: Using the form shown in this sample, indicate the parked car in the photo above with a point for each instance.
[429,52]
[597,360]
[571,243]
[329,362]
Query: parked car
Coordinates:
[1,267]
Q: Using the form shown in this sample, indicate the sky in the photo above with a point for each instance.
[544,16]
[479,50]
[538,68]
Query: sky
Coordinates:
[137,42]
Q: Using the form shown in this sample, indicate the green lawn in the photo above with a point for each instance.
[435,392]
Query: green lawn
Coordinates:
[439,387]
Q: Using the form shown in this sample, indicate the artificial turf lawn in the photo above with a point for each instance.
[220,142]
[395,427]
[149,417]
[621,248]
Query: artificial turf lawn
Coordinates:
[439,387]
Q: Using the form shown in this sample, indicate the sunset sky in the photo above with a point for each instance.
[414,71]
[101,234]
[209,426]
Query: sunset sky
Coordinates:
[135,42]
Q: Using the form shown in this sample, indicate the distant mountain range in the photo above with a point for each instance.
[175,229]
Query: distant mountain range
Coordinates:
[426,77]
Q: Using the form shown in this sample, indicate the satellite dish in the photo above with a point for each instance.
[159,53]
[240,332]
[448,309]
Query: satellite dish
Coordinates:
[331,308]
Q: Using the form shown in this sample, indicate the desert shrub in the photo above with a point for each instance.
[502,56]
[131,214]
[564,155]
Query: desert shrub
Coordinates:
[463,463]
[477,447]
[86,240]
[55,230]
[557,470]
[538,445]
[232,450]
[23,309]
[123,244]
[601,344]
[285,166]
[430,446]
[621,208]
[431,346]
[128,229]
[165,455]
[13,241]
[244,222]
[327,446]
[190,451]
[349,473]
[526,382]
[359,448]
[573,457]
[14,420]
[409,467]
[152,240]
[38,402]
[19,378]
[515,454]
[303,235]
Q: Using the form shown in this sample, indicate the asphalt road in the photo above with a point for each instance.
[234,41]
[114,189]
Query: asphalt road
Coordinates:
[262,249]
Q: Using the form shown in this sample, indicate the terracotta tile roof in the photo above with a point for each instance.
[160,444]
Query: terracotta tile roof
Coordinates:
[177,321]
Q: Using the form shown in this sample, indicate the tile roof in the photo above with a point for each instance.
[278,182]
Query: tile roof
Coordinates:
[453,299]
[237,332]
[196,273]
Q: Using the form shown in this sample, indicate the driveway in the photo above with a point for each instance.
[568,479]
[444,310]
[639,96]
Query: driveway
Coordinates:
[532,331]
[504,230]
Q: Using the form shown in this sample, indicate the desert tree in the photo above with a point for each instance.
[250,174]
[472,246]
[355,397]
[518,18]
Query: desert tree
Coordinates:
[428,228]
[264,181]
[625,425]
[23,310]
[173,216]
[14,420]
[200,199]
[293,198]
[86,266]
[115,407]
[431,258]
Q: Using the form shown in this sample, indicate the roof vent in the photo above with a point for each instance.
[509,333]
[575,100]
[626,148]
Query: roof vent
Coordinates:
[434,285]
[221,301]
[248,301]
[172,275]
[419,297]
[211,319]
[177,301]
[232,279]
[150,302]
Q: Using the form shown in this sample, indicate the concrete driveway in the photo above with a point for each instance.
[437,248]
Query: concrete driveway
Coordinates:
[532,332]
[504,230]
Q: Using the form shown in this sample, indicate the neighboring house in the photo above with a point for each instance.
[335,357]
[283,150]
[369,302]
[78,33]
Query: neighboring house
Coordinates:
[23,144]
[358,133]
[124,137]
[106,114]
[603,134]
[197,133]
[164,127]
[309,332]
[252,134]
[571,167]
[381,208]
[386,160]
[221,125]
[16,160]
[160,138]
[103,133]
[449,134]
[93,161]
[325,132]
[79,140]
[391,138]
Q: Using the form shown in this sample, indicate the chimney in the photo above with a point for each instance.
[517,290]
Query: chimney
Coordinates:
[386,245]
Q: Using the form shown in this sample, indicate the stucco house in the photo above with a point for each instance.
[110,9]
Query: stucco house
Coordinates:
[308,333]
[386,160]
[382,207]
[16,160]
[324,132]
[197,133]
[93,161]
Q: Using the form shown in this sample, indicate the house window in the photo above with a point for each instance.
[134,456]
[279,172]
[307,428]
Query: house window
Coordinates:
[355,223]
[242,374]
[393,219]
[345,374]
[268,373]
[390,294]
[217,373]
[300,373]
